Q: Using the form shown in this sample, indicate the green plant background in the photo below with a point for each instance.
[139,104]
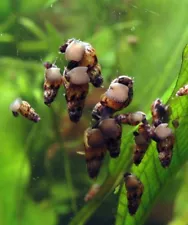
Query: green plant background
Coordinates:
[42,179]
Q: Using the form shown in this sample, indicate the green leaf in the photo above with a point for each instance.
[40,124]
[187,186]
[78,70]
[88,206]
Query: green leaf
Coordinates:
[33,28]
[31,7]
[4,37]
[181,202]
[50,3]
[53,37]
[33,213]
[150,172]
[127,25]
[14,170]
[7,23]
[32,46]
[17,64]
[5,9]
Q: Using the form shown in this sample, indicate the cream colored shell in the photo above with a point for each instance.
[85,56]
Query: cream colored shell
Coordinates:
[163,131]
[53,74]
[118,92]
[138,116]
[14,107]
[75,51]
[78,75]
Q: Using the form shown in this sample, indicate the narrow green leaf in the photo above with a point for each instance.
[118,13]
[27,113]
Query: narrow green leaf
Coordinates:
[14,171]
[127,25]
[15,63]
[49,3]
[4,37]
[31,7]
[7,23]
[43,212]
[32,46]
[5,8]
[33,28]
[181,201]
[54,38]
[153,176]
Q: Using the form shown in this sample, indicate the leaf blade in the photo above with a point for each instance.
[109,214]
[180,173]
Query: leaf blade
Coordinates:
[150,171]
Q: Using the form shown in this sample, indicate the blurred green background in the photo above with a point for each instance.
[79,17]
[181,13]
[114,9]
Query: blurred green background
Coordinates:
[42,179]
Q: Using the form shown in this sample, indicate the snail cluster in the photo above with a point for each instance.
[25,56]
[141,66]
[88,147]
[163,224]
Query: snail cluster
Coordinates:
[158,131]
[83,68]
[106,131]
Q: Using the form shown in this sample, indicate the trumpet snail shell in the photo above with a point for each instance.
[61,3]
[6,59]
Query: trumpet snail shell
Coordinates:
[110,128]
[95,138]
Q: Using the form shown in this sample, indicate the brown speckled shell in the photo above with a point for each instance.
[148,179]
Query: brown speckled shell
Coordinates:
[94,154]
[75,96]
[160,112]
[51,90]
[28,112]
[135,191]
[165,150]
[140,148]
